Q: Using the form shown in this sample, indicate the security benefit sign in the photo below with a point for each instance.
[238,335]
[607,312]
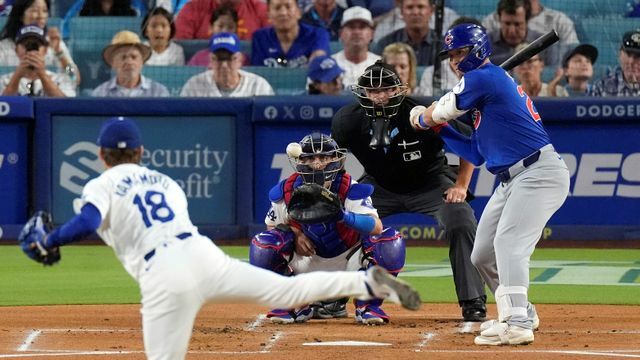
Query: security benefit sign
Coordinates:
[13,173]
[196,151]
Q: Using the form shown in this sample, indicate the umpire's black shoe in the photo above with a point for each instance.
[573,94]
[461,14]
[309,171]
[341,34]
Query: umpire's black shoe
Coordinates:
[474,309]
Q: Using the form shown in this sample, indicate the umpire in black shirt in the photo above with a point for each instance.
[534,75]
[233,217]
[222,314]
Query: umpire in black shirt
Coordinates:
[409,172]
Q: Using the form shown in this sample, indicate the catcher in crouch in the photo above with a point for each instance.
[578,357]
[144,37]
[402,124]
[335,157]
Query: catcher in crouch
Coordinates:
[322,219]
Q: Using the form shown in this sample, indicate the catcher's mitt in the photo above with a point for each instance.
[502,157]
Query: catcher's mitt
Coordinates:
[32,236]
[313,204]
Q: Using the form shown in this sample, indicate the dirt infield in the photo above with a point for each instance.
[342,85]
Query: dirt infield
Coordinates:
[241,332]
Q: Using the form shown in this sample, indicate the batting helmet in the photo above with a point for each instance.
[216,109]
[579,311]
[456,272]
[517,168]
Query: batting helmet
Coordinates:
[379,76]
[331,158]
[467,35]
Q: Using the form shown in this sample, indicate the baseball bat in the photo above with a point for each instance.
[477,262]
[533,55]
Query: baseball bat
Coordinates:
[532,49]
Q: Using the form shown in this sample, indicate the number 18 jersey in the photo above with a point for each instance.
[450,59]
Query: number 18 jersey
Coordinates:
[140,209]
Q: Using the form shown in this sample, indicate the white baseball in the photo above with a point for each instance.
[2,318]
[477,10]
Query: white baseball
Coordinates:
[294,150]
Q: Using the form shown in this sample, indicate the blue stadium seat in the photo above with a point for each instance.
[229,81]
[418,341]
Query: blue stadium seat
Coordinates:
[173,77]
[605,33]
[95,32]
[473,8]
[579,9]
[285,81]
[335,46]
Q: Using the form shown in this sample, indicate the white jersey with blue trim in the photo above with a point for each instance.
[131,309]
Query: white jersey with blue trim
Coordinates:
[145,207]
[499,107]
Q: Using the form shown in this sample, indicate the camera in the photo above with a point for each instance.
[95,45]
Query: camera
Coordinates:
[32,45]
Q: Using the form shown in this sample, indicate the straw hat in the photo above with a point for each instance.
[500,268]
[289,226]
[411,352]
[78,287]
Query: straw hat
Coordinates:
[125,38]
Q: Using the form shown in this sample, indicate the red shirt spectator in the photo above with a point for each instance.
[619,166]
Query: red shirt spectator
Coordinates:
[194,19]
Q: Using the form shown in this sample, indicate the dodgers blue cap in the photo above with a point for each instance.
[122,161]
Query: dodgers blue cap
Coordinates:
[324,69]
[224,41]
[119,133]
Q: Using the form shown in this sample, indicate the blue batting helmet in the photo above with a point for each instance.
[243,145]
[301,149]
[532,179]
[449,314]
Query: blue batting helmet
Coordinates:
[467,35]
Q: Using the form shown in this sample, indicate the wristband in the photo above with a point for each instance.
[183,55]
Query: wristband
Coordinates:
[361,222]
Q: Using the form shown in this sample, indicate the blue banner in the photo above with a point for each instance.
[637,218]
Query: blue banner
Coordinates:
[12,107]
[13,173]
[196,151]
[603,157]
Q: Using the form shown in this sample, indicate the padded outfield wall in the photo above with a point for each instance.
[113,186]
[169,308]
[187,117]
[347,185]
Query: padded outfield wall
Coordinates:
[227,154]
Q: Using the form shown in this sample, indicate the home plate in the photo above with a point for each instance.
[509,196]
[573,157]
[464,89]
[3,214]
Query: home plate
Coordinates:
[346,343]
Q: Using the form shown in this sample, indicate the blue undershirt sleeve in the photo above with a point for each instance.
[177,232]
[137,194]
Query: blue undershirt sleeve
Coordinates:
[79,227]
[464,146]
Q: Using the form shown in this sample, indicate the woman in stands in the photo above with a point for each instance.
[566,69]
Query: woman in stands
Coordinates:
[224,19]
[403,59]
[158,28]
[25,12]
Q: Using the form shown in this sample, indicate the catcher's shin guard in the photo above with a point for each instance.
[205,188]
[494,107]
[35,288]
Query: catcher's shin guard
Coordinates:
[387,250]
[272,250]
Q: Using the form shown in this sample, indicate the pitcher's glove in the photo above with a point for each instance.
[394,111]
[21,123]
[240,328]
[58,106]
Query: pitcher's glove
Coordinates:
[313,204]
[32,237]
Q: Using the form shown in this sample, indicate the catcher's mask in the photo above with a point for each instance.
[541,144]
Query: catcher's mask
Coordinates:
[319,159]
[380,92]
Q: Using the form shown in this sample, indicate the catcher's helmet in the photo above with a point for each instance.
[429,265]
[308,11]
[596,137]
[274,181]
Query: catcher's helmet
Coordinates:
[467,35]
[320,160]
[379,76]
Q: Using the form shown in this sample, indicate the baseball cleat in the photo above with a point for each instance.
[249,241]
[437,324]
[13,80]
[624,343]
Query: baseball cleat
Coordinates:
[505,334]
[282,316]
[371,315]
[531,311]
[383,285]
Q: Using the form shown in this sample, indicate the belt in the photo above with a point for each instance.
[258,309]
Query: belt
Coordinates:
[515,169]
[151,253]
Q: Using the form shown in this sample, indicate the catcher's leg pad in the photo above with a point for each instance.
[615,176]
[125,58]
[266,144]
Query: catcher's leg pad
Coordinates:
[387,250]
[505,303]
[272,250]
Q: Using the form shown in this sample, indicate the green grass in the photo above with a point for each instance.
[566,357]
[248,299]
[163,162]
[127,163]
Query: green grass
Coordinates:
[93,275]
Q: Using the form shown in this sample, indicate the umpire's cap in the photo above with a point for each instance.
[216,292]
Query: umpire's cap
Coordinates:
[119,133]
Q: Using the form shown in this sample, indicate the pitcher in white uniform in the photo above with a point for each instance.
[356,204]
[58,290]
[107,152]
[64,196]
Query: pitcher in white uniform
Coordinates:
[143,215]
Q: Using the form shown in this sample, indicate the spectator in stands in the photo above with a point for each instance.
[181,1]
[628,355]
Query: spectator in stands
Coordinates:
[289,42]
[529,73]
[126,55]
[325,75]
[624,80]
[448,77]
[225,78]
[193,21]
[158,28]
[577,70]
[416,33]
[633,8]
[392,21]
[224,19]
[403,60]
[356,34]
[25,12]
[31,77]
[107,8]
[541,19]
[325,14]
[513,31]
